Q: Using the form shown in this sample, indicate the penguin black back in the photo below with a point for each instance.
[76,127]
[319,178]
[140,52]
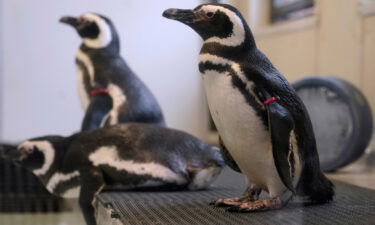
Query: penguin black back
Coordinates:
[110,91]
[131,155]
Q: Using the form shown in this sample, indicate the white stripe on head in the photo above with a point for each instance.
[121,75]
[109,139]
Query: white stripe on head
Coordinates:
[48,151]
[105,34]
[238,33]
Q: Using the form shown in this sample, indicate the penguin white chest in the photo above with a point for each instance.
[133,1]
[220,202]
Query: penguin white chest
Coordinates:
[241,129]
[85,69]
[83,96]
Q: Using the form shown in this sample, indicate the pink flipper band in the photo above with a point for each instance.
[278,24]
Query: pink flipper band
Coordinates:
[98,91]
[268,101]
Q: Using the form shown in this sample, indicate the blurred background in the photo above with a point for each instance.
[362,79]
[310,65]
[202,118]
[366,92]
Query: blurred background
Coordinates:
[37,72]
[38,93]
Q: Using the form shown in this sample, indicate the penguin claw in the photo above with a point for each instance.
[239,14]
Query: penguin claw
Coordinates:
[213,202]
[245,208]
[251,194]
[256,206]
[227,202]
[235,208]
[218,203]
[221,204]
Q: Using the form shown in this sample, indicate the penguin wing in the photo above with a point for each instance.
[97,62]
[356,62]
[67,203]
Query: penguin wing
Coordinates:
[227,157]
[98,108]
[280,123]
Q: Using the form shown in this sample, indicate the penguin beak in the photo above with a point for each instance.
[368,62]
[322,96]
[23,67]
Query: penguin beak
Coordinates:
[72,21]
[186,16]
[12,153]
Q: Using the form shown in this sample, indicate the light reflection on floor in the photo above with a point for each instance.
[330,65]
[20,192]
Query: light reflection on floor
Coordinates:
[366,180]
[66,218]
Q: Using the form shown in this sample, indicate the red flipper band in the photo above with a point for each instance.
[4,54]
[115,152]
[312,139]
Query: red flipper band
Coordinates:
[98,91]
[268,101]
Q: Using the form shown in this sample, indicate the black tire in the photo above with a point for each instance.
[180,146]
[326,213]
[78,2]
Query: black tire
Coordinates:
[345,112]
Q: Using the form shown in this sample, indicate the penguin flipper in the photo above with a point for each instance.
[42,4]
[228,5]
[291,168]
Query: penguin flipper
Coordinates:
[280,123]
[227,157]
[92,182]
[98,108]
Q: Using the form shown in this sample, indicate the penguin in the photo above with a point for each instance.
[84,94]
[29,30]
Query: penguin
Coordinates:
[110,92]
[134,155]
[264,129]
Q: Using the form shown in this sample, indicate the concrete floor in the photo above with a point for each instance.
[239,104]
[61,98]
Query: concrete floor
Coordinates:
[65,218]
[366,180]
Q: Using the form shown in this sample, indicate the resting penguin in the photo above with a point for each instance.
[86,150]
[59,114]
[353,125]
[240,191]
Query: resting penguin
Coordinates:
[265,130]
[131,154]
[109,90]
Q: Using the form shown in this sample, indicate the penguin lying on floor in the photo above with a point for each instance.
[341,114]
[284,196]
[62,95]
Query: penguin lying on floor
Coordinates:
[109,90]
[265,130]
[135,155]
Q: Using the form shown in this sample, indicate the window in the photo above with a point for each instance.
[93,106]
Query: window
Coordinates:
[282,10]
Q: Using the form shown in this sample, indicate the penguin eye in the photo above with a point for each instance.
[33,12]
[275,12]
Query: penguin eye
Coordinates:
[83,22]
[209,14]
[30,149]
[27,150]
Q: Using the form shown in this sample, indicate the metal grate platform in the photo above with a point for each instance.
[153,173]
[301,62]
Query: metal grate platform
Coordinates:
[352,205]
[22,192]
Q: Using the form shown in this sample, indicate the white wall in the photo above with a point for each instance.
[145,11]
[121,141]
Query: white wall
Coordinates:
[1,63]
[38,88]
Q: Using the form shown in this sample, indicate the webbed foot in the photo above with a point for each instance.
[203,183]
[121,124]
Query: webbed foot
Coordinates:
[256,206]
[250,194]
[229,201]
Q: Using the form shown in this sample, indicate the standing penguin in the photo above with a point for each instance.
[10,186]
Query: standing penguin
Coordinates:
[264,128]
[109,90]
[134,155]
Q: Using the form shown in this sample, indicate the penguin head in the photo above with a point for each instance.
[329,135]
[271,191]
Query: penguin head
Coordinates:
[35,154]
[219,23]
[96,31]
[30,154]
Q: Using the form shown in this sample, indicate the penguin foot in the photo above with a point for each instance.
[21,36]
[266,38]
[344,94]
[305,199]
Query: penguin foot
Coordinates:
[256,206]
[230,201]
[250,194]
